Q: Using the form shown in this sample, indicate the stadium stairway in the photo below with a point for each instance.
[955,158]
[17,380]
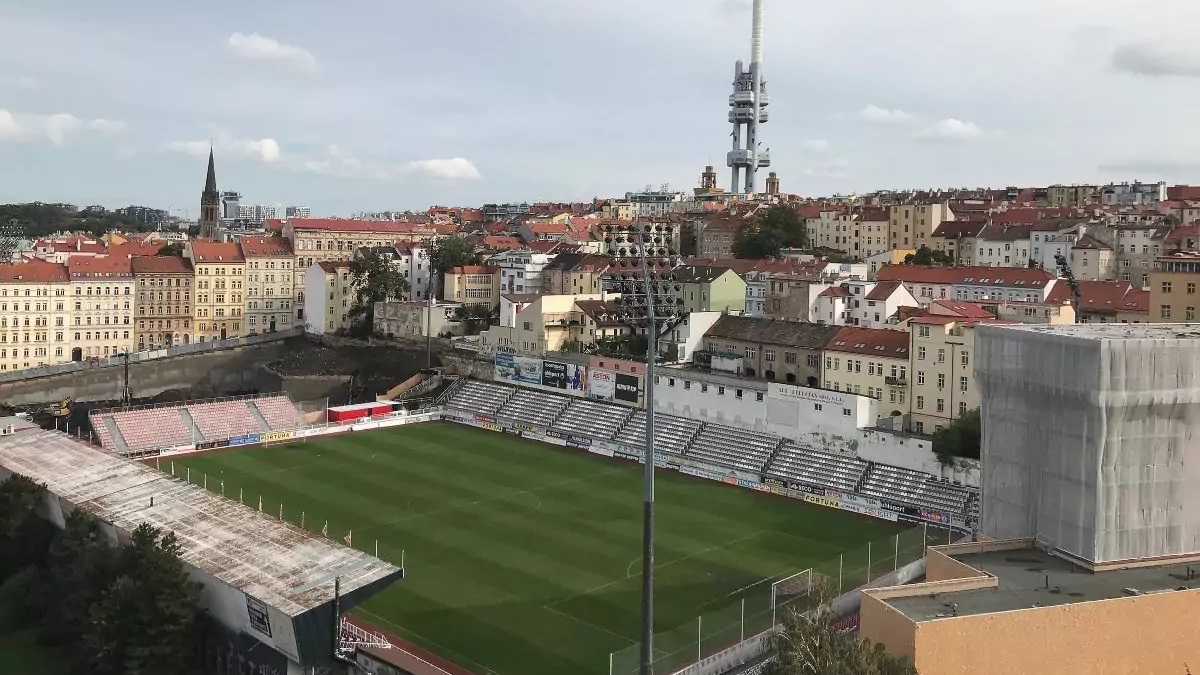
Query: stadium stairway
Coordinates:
[191,423]
[258,417]
[774,453]
[459,383]
[111,425]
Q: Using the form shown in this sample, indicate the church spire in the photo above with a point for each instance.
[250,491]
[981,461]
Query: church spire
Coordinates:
[210,183]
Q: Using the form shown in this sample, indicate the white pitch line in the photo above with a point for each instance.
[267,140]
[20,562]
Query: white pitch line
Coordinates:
[587,623]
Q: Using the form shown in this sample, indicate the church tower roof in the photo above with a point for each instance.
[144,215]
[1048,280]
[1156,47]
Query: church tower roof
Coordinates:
[210,183]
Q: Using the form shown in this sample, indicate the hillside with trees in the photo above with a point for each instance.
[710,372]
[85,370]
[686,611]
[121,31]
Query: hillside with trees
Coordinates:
[36,219]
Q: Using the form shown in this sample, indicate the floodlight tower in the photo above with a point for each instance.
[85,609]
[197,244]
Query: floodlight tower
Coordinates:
[644,260]
[748,108]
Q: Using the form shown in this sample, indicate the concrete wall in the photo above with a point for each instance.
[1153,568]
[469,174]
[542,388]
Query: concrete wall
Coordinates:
[205,374]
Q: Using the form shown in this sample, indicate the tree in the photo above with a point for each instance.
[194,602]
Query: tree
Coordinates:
[810,644]
[174,248]
[474,318]
[24,536]
[771,230]
[960,439]
[82,564]
[375,279]
[928,256]
[446,254]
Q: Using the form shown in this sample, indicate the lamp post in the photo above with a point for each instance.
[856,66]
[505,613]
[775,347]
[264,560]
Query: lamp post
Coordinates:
[644,259]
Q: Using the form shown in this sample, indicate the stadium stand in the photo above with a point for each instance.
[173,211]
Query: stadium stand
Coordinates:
[132,430]
[797,464]
[755,452]
[735,448]
[592,418]
[482,398]
[278,412]
[671,433]
[914,488]
[535,407]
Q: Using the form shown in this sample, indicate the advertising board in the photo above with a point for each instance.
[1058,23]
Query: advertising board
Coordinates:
[581,442]
[566,376]
[275,436]
[518,370]
[491,427]
[628,388]
[601,384]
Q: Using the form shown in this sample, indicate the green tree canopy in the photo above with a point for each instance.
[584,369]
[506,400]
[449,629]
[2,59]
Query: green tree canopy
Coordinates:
[961,438]
[39,220]
[446,254]
[375,279]
[810,644]
[928,256]
[771,230]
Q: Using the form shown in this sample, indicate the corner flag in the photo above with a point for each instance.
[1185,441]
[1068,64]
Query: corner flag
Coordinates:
[347,538]
[325,529]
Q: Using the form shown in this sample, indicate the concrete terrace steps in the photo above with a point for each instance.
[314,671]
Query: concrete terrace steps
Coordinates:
[264,427]
[114,433]
[191,424]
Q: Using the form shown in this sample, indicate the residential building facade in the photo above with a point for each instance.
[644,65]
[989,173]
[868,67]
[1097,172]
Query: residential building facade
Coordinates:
[103,310]
[778,351]
[943,387]
[270,284]
[473,285]
[870,362]
[329,293]
[219,293]
[35,313]
[163,307]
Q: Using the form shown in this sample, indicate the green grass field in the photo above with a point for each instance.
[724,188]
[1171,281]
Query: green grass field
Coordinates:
[523,557]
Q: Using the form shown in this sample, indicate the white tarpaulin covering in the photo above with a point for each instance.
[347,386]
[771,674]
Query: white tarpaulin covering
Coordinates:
[1090,437]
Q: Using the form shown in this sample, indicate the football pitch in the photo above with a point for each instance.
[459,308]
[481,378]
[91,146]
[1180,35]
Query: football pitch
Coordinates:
[524,557]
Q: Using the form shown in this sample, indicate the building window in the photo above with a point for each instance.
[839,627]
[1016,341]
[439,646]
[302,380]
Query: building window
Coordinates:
[813,360]
[817,407]
[1166,287]
[941,380]
[769,354]
[920,403]
[1191,288]
[758,396]
[920,353]
[962,407]
[737,393]
[920,377]
[1189,314]
[720,390]
[941,405]
[962,383]
[1165,311]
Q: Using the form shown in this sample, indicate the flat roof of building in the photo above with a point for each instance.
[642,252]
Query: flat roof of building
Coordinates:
[281,565]
[1114,331]
[1030,578]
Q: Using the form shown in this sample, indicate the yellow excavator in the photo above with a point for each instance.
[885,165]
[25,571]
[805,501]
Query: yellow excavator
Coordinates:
[60,409]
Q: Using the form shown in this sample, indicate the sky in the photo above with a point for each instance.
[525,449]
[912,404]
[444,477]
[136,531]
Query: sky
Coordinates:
[393,104]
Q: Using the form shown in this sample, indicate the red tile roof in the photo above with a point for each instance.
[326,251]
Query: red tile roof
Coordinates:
[871,342]
[1105,296]
[957,229]
[33,272]
[883,290]
[207,251]
[970,275]
[500,242]
[100,268]
[965,310]
[136,248]
[265,247]
[332,266]
[1088,242]
[473,269]
[348,225]
[834,292]
[161,264]
[1183,192]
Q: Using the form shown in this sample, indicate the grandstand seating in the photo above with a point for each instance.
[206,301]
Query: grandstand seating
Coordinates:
[483,398]
[585,417]
[671,433]
[913,488]
[535,407]
[226,419]
[153,428]
[797,464]
[735,448]
[279,412]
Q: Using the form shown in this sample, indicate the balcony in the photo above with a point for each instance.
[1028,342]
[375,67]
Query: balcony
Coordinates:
[562,319]
[895,381]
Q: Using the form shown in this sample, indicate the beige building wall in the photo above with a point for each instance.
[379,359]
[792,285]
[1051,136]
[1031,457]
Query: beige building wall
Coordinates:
[878,377]
[912,225]
[943,384]
[34,318]
[163,310]
[1173,289]
[475,285]
[219,300]
[103,306]
[543,325]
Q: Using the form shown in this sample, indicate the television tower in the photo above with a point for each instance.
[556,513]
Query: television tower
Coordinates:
[748,104]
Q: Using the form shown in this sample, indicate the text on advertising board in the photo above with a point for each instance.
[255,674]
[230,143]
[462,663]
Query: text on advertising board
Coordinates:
[807,394]
[627,388]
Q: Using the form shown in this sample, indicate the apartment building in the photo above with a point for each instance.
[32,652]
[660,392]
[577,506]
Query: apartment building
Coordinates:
[535,325]
[715,236]
[1114,302]
[103,310]
[793,297]
[911,225]
[1173,296]
[1002,246]
[163,306]
[870,362]
[522,270]
[866,304]
[710,288]
[863,233]
[1139,243]
[219,292]
[1077,196]
[778,351]
[574,273]
[473,285]
[1093,260]
[35,315]
[270,284]
[930,282]
[943,387]
[329,295]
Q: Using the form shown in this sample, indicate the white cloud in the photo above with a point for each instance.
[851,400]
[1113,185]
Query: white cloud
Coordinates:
[333,161]
[256,47]
[265,150]
[876,115]
[835,168]
[815,145]
[57,128]
[1156,59]
[952,130]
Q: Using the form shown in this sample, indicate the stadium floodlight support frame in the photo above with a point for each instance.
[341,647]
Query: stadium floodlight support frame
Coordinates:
[644,261]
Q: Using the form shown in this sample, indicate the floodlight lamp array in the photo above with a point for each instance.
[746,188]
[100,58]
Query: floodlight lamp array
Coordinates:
[643,262]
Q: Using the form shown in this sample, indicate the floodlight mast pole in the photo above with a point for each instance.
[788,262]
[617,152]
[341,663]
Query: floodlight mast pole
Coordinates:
[652,246]
[647,650]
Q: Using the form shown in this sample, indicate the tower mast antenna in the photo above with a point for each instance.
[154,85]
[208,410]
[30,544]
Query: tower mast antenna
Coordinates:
[748,110]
